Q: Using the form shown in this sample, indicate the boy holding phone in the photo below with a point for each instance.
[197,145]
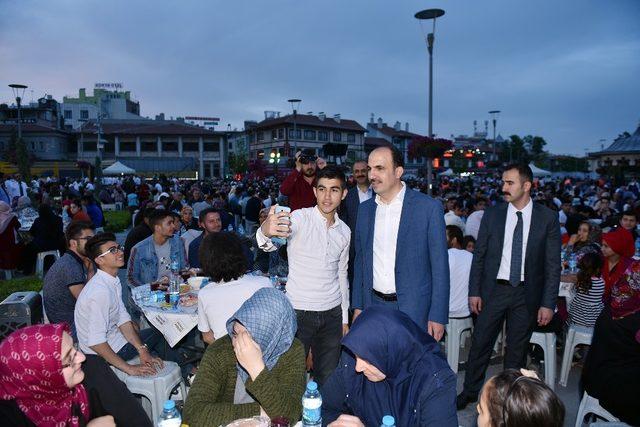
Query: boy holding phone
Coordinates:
[318,253]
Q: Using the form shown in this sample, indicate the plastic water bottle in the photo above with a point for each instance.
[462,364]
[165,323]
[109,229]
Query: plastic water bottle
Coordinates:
[388,421]
[573,263]
[170,416]
[241,230]
[311,406]
[230,228]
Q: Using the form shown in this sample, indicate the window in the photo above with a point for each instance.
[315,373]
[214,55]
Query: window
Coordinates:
[149,146]
[351,137]
[280,133]
[84,114]
[274,134]
[260,136]
[310,135]
[337,137]
[127,146]
[68,114]
[190,146]
[169,146]
[231,146]
[298,134]
[323,135]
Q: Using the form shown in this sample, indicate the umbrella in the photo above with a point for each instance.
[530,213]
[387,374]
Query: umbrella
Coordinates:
[118,169]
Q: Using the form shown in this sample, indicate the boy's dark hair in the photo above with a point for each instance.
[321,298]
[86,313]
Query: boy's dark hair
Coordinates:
[158,216]
[589,265]
[331,172]
[629,212]
[75,229]
[203,214]
[466,240]
[222,257]
[453,231]
[514,400]
[525,172]
[92,248]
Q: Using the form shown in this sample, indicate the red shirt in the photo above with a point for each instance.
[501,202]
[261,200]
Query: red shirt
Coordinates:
[298,190]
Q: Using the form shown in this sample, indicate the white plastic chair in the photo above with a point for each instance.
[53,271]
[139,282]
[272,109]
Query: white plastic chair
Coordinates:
[591,405]
[548,343]
[157,388]
[40,261]
[454,329]
[576,335]
[8,274]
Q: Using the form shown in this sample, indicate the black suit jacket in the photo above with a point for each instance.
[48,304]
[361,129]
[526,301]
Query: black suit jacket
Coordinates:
[349,215]
[541,262]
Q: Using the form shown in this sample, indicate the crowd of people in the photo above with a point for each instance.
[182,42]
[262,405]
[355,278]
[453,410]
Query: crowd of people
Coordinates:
[374,269]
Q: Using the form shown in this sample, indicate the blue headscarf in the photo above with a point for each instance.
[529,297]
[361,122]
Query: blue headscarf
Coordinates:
[271,321]
[399,348]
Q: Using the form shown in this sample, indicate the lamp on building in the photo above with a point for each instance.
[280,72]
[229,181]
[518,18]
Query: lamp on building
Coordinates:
[295,104]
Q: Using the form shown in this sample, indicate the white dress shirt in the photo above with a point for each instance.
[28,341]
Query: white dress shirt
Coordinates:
[450,218]
[473,224]
[13,188]
[459,271]
[509,229]
[99,313]
[318,261]
[364,195]
[385,239]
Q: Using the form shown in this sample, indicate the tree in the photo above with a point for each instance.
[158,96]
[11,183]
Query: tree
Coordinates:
[537,146]
[238,163]
[17,154]
[518,151]
[428,148]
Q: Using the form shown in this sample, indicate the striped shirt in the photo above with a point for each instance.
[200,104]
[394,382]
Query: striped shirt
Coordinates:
[586,307]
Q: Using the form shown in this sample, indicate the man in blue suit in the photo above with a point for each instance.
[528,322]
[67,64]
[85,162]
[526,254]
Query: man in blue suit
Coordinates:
[401,248]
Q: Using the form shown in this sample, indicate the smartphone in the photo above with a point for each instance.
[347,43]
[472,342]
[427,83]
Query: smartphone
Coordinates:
[279,240]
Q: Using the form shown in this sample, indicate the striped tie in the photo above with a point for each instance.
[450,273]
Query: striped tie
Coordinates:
[516,253]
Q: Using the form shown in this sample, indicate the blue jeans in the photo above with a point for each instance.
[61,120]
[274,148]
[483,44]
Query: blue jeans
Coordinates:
[154,341]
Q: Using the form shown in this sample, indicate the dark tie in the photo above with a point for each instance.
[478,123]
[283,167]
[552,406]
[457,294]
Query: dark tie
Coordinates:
[516,253]
[20,187]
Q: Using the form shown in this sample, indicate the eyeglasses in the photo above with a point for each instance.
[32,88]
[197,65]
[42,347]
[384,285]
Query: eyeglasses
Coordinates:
[112,250]
[72,356]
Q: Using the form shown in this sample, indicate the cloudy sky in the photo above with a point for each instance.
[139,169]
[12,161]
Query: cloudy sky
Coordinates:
[566,70]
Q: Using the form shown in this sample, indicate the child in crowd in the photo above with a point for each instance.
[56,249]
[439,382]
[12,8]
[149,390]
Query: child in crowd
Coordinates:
[519,399]
[587,303]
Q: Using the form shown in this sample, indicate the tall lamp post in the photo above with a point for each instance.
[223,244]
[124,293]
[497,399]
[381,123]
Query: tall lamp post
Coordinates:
[295,104]
[23,166]
[494,119]
[424,15]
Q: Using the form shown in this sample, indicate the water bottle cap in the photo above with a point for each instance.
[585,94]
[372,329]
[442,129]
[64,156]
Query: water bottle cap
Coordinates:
[169,405]
[388,420]
[312,386]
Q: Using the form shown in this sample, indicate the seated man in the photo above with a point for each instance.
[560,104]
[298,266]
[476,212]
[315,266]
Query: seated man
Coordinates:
[211,222]
[223,260]
[390,366]
[103,325]
[459,270]
[67,276]
[139,232]
[150,260]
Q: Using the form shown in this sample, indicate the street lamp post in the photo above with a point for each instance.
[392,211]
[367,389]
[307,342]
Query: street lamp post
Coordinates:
[295,104]
[23,166]
[494,119]
[424,15]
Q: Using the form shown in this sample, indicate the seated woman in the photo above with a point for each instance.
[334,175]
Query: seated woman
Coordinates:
[587,304]
[390,366]
[41,380]
[519,399]
[222,258]
[612,368]
[587,239]
[258,369]
[47,236]
[9,227]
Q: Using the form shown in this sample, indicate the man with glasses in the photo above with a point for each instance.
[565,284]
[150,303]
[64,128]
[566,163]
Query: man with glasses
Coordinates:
[103,326]
[68,275]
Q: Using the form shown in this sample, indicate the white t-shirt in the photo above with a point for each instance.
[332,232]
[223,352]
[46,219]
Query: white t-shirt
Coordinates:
[459,270]
[217,302]
[473,224]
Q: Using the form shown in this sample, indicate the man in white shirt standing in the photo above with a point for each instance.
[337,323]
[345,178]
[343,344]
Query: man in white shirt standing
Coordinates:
[459,269]
[318,253]
[473,221]
[16,188]
[454,216]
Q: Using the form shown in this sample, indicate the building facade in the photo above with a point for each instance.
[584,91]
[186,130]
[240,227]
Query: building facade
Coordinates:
[111,104]
[623,154]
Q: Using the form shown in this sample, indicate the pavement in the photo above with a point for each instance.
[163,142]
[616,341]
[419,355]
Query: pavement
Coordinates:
[467,417]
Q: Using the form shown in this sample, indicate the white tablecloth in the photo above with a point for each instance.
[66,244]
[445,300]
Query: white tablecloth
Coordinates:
[566,291]
[174,324]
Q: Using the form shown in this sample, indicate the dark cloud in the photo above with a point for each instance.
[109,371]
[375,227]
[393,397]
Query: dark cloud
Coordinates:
[564,70]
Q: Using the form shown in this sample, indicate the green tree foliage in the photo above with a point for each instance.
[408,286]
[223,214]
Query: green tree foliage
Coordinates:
[238,163]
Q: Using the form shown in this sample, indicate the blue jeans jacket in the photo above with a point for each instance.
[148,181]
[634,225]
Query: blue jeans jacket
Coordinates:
[143,261]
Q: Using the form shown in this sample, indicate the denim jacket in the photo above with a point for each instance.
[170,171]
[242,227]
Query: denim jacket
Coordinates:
[143,261]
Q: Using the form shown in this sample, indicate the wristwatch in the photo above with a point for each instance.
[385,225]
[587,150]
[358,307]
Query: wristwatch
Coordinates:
[143,346]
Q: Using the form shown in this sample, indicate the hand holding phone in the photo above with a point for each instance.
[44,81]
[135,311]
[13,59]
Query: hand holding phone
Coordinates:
[277,225]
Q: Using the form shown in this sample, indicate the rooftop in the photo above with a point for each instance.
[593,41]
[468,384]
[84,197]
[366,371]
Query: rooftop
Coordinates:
[315,121]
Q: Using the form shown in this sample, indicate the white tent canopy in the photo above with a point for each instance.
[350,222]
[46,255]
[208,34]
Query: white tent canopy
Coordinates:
[118,169]
[537,171]
[448,172]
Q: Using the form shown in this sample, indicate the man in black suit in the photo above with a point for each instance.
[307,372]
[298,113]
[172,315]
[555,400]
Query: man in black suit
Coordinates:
[515,274]
[349,210]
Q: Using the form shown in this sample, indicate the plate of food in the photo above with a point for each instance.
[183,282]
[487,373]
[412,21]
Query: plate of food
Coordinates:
[189,302]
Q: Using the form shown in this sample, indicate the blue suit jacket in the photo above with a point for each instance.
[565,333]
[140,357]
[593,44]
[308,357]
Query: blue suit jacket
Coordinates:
[422,261]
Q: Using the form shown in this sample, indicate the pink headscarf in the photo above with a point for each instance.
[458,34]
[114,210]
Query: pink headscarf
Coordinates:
[31,374]
[6,214]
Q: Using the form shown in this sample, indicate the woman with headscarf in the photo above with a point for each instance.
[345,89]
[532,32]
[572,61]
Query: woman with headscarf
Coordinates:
[390,366]
[11,249]
[611,372]
[41,381]
[258,369]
